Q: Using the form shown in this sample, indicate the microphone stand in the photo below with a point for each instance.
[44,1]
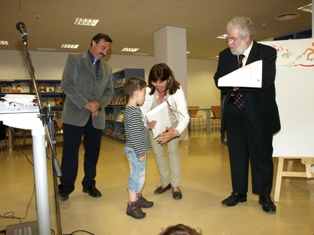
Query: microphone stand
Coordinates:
[46,116]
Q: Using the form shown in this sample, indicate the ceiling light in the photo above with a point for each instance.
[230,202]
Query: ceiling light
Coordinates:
[4,43]
[188,52]
[45,49]
[129,49]
[70,46]
[85,21]
[287,16]
[307,8]
[224,36]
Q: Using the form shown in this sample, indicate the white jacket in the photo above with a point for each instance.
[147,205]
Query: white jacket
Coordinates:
[179,104]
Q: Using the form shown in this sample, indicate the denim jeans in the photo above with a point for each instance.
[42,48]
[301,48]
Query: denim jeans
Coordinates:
[137,171]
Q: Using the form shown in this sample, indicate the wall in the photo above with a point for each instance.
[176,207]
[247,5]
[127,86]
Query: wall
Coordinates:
[49,66]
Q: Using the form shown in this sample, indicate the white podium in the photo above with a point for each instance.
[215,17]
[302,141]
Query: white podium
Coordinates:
[31,121]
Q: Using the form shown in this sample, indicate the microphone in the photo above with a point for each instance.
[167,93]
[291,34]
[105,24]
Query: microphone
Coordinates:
[21,27]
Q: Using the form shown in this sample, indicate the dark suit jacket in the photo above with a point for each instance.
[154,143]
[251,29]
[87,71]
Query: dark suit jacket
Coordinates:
[260,103]
[80,86]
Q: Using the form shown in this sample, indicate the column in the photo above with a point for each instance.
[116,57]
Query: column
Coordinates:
[170,48]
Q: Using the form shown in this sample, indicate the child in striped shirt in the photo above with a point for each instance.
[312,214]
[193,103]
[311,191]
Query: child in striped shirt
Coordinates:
[136,146]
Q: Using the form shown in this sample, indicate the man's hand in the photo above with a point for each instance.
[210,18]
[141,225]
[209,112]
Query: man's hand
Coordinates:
[92,106]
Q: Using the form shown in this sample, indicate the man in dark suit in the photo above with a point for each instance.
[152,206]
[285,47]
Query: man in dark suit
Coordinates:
[250,115]
[87,82]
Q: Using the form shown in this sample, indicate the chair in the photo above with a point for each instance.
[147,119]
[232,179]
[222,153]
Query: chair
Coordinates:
[3,134]
[58,123]
[193,115]
[216,118]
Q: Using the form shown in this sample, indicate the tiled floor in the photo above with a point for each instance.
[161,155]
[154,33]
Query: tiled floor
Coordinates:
[205,183]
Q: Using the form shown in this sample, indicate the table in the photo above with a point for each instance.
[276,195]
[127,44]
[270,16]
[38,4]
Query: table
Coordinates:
[208,117]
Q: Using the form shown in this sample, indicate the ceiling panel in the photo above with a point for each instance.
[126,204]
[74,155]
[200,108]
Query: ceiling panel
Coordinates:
[133,22]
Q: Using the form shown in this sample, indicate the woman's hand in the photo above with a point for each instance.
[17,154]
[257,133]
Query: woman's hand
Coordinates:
[168,135]
[151,124]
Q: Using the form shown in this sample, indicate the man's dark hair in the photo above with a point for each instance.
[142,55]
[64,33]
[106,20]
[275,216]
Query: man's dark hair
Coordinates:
[100,36]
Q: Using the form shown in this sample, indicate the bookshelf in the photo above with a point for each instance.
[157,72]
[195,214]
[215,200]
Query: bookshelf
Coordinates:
[115,110]
[50,90]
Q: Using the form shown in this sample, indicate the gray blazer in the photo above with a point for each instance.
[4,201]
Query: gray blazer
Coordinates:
[80,87]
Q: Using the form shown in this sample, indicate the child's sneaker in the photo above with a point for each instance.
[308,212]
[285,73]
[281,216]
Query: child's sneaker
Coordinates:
[142,202]
[135,211]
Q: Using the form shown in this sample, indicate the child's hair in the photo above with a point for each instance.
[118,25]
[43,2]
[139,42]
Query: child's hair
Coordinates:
[180,229]
[133,84]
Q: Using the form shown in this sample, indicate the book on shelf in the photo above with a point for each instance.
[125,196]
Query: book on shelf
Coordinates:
[117,101]
[110,116]
[51,101]
[112,101]
[58,101]
[121,98]
[44,101]
[50,88]
[40,87]
[120,82]
[121,133]
[25,87]
[110,130]
[16,88]
[58,87]
[6,88]
[120,117]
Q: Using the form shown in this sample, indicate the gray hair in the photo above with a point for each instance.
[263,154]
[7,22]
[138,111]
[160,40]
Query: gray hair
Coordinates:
[244,25]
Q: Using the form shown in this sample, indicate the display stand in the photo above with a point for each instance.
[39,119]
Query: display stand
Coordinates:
[294,79]
[30,121]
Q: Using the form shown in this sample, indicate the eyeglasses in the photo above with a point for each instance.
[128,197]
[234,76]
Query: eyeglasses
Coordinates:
[160,83]
[232,39]
[172,109]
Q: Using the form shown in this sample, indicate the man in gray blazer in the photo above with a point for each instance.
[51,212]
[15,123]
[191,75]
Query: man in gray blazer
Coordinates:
[88,85]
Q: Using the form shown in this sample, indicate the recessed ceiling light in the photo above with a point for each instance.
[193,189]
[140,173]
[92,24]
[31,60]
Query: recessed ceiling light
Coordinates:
[4,43]
[287,16]
[307,8]
[138,53]
[224,36]
[70,46]
[188,52]
[129,49]
[45,49]
[85,21]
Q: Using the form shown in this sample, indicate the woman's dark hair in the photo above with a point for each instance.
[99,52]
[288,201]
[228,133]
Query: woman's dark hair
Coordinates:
[133,84]
[162,72]
[100,36]
[180,229]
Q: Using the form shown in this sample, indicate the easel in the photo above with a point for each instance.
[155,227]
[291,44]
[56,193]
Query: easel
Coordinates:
[289,173]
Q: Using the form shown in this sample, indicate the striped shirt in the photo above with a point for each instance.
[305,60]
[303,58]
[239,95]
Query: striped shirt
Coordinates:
[136,131]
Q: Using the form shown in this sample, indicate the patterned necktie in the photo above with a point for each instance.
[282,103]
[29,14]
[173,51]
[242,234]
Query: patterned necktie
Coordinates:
[95,67]
[238,101]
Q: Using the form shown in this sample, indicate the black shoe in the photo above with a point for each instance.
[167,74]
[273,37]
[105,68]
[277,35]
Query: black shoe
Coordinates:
[161,190]
[143,203]
[92,191]
[234,199]
[267,203]
[63,195]
[135,211]
[176,194]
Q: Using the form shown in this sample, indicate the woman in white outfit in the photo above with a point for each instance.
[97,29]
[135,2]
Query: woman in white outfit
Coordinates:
[163,87]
